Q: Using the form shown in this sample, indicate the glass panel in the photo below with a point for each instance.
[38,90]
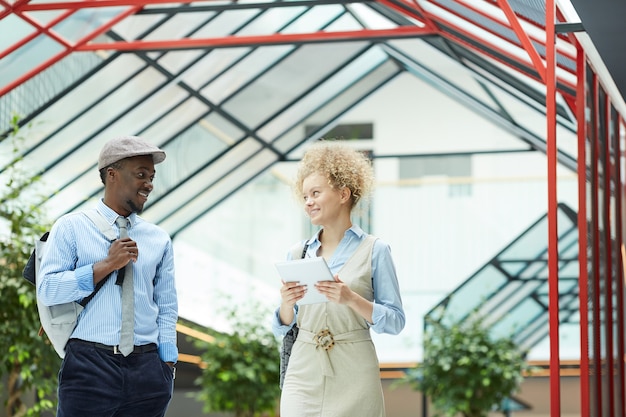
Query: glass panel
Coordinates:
[89,92]
[341,93]
[180,25]
[244,72]
[84,21]
[211,65]
[274,89]
[29,56]
[474,292]
[518,317]
[13,29]
[233,170]
[314,19]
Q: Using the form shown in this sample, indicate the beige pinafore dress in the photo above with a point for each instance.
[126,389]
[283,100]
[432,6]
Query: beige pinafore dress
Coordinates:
[333,370]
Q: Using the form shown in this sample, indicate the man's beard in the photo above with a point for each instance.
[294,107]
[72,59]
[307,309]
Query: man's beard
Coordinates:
[133,207]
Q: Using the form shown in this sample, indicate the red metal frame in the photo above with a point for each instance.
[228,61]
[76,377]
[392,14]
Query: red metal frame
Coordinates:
[621,349]
[502,51]
[553,231]
[22,7]
[608,276]
[584,101]
[527,44]
[583,276]
[273,39]
[48,63]
[597,358]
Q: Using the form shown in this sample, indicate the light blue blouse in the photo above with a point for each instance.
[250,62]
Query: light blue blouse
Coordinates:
[388,314]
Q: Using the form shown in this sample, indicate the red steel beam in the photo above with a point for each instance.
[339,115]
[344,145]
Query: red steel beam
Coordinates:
[553,231]
[536,59]
[45,29]
[259,40]
[472,7]
[470,4]
[467,45]
[619,198]
[583,271]
[77,5]
[36,70]
[597,276]
[33,35]
[608,247]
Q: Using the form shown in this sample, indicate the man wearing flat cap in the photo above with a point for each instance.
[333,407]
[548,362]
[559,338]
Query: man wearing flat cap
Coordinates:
[119,361]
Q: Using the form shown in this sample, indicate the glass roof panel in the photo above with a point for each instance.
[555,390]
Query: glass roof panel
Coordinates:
[137,25]
[370,18]
[34,53]
[434,61]
[272,21]
[13,29]
[227,23]
[321,93]
[210,174]
[343,93]
[212,64]
[269,92]
[209,186]
[244,72]
[82,22]
[195,146]
[314,19]
[180,25]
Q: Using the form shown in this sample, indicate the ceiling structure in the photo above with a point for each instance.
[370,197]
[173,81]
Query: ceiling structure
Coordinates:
[603,20]
[230,88]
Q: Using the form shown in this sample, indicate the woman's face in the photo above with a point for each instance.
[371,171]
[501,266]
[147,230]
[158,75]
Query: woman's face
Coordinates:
[322,203]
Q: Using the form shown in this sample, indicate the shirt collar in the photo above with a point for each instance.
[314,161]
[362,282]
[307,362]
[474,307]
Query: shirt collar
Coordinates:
[353,230]
[110,215]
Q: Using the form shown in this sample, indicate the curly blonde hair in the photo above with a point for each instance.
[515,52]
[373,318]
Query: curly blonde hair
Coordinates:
[341,165]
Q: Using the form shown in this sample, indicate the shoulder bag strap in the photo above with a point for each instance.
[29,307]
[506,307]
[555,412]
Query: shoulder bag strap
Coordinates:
[105,228]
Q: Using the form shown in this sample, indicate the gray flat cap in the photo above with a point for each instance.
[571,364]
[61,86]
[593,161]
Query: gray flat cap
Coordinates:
[126,147]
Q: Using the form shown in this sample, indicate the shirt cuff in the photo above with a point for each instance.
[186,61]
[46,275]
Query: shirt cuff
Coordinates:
[378,314]
[280,329]
[84,278]
[168,352]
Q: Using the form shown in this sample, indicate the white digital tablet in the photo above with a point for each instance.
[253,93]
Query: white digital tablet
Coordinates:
[307,272]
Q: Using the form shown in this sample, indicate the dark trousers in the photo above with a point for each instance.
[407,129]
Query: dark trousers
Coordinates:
[97,383]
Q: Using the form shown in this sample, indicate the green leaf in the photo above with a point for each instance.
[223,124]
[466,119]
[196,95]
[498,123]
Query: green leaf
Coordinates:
[25,356]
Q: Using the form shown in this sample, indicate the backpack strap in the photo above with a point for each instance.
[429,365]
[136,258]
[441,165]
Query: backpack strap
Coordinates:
[103,225]
[107,230]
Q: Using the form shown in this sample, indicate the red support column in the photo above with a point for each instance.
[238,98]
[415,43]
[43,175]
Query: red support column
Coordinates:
[583,277]
[621,350]
[605,142]
[553,234]
[596,300]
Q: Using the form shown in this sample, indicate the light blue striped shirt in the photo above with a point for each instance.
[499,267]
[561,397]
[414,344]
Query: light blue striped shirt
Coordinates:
[75,244]
[388,314]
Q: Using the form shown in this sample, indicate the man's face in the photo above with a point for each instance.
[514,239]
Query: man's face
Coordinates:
[130,185]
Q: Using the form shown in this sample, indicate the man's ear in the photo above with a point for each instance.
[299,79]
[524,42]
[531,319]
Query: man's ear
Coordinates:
[111,173]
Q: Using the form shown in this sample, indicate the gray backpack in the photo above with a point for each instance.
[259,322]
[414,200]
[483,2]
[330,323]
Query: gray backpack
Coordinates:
[59,321]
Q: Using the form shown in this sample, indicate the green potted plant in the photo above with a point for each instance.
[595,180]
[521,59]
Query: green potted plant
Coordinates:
[241,369]
[28,363]
[465,370]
